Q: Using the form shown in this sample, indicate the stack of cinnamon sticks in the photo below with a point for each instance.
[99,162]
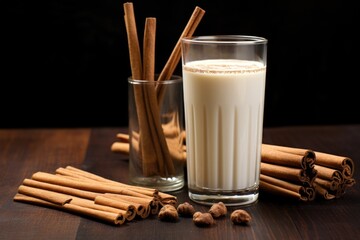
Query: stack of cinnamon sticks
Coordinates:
[288,171]
[152,147]
[297,173]
[77,191]
[335,175]
[327,176]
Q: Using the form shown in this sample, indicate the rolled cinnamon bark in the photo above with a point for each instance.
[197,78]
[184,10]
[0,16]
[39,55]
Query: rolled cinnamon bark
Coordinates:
[333,180]
[295,175]
[49,196]
[330,174]
[91,204]
[142,206]
[84,185]
[75,172]
[129,208]
[322,191]
[176,148]
[328,184]
[79,191]
[110,217]
[344,164]
[120,147]
[292,157]
[284,188]
[149,142]
[114,218]
[60,189]
[123,137]
[329,187]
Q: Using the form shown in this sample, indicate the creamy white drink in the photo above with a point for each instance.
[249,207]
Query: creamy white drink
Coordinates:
[224,103]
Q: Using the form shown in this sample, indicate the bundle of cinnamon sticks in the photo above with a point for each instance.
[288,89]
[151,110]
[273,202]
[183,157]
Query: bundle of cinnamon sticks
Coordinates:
[297,173]
[152,148]
[328,175]
[80,192]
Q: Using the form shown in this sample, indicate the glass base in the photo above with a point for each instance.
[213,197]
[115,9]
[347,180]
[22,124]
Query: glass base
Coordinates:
[229,198]
[162,184]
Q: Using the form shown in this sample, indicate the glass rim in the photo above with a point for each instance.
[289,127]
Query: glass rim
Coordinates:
[174,79]
[225,39]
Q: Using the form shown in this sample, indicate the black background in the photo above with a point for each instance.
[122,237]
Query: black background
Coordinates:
[66,63]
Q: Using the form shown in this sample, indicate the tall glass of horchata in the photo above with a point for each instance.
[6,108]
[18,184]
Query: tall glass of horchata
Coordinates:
[224,90]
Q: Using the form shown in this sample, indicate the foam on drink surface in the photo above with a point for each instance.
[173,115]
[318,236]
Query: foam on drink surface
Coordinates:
[224,101]
[224,66]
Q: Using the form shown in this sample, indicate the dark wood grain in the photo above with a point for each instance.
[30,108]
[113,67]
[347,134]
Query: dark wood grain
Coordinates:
[26,151]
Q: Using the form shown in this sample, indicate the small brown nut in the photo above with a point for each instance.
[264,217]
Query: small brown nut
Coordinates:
[168,213]
[203,219]
[218,209]
[186,209]
[240,216]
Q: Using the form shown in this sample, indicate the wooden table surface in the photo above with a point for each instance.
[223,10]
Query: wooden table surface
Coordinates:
[26,151]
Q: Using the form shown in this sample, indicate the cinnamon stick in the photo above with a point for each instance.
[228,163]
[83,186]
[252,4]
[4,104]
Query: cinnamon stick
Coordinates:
[120,147]
[49,196]
[133,41]
[286,188]
[91,204]
[174,142]
[110,217]
[149,49]
[60,189]
[145,191]
[81,192]
[344,164]
[127,207]
[174,58]
[322,191]
[304,159]
[142,206]
[147,145]
[295,175]
[151,107]
[329,174]
[83,185]
[123,137]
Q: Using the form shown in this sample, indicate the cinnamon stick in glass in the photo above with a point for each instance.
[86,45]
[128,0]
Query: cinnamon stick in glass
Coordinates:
[188,31]
[136,70]
[164,163]
[174,58]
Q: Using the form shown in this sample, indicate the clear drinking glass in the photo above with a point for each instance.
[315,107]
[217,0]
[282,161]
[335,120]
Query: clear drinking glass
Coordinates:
[224,90]
[157,155]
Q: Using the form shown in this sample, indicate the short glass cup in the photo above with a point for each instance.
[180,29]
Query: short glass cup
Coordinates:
[157,156]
